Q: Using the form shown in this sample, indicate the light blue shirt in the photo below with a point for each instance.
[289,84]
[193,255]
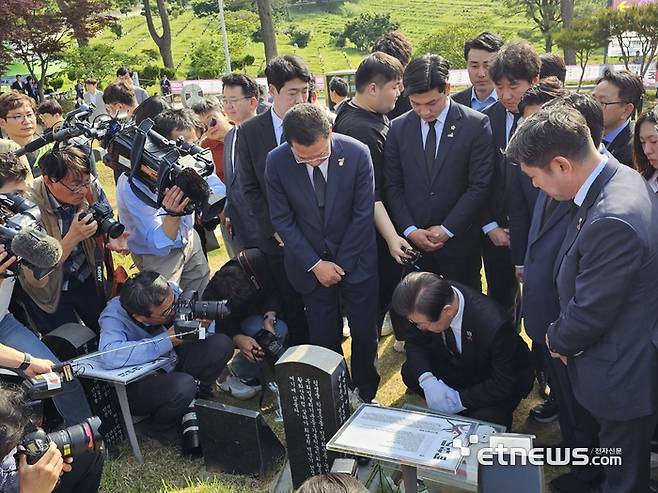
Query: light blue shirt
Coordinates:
[424,131]
[478,105]
[613,135]
[277,123]
[584,188]
[144,223]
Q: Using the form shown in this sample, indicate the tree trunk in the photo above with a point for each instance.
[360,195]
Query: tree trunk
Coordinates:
[267,28]
[566,11]
[163,41]
[548,42]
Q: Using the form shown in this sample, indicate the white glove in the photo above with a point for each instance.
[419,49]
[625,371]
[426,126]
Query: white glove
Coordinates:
[440,397]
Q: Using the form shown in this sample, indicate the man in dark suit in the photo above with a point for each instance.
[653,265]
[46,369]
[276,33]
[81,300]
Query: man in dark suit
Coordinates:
[477,53]
[514,69]
[620,94]
[606,275]
[321,196]
[240,102]
[465,356]
[19,84]
[437,173]
[288,79]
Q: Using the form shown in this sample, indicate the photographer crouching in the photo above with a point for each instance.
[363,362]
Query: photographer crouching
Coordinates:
[27,466]
[74,210]
[139,322]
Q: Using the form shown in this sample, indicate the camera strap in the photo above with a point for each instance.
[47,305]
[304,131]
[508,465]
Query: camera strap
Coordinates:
[102,258]
[243,260]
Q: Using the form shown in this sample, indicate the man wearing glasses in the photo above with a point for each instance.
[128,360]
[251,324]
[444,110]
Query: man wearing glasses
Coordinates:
[63,193]
[137,325]
[321,197]
[620,95]
[465,356]
[18,119]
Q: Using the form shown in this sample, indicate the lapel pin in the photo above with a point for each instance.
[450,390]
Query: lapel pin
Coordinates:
[450,135]
[452,127]
[469,336]
[580,223]
[341,161]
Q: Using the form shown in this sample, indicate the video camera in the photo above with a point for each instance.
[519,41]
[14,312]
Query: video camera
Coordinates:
[49,384]
[189,312]
[21,235]
[71,442]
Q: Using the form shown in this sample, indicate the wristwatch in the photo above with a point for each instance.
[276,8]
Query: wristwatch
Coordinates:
[27,361]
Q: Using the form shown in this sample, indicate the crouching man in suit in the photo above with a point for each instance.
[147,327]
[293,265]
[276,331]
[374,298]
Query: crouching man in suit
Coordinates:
[465,356]
[321,195]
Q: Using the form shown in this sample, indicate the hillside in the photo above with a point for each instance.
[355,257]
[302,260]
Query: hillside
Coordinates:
[417,18]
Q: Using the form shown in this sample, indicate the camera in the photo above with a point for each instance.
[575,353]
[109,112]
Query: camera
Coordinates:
[71,442]
[49,384]
[272,346]
[189,310]
[104,217]
[412,260]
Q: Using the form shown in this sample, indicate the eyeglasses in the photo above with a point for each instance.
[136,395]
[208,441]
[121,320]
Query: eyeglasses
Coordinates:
[234,101]
[77,188]
[311,161]
[168,311]
[605,105]
[26,116]
[418,325]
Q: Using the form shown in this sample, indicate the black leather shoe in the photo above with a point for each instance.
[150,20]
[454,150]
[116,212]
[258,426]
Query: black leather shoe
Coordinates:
[568,483]
[545,412]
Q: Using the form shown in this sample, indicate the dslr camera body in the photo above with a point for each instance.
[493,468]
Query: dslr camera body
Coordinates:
[190,311]
[104,217]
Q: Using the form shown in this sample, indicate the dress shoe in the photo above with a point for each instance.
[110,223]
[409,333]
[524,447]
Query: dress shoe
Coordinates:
[546,412]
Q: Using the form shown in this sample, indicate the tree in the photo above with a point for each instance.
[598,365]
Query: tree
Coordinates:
[566,11]
[163,41]
[546,14]
[640,20]
[584,36]
[98,62]
[364,30]
[267,28]
[86,18]
[34,32]
[207,59]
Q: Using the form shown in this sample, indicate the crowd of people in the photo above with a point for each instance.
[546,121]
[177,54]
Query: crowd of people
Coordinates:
[391,204]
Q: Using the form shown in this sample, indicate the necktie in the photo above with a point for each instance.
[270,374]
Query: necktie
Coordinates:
[450,341]
[283,136]
[515,123]
[320,186]
[550,206]
[430,145]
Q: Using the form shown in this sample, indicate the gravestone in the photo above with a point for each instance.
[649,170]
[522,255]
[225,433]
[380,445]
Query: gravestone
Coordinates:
[313,385]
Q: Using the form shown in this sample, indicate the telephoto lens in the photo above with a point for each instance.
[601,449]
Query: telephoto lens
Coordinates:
[191,442]
[211,310]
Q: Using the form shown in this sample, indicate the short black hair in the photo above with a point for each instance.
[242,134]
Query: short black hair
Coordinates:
[143,291]
[66,160]
[176,119]
[547,89]
[552,65]
[12,169]
[396,44]
[339,86]
[332,483]
[231,283]
[560,130]
[248,84]
[424,293]
[150,108]
[589,108]
[516,60]
[51,107]
[379,68]
[630,85]
[119,92]
[124,71]
[282,69]
[426,73]
[485,41]
[14,419]
[306,123]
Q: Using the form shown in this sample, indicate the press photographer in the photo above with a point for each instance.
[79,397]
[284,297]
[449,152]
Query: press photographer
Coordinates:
[246,283]
[162,237]
[73,205]
[32,461]
[137,327]
[20,348]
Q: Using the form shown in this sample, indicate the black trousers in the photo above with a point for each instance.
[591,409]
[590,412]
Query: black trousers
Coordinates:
[464,268]
[501,412]
[85,475]
[325,327]
[293,305]
[166,396]
[390,274]
[502,285]
[577,425]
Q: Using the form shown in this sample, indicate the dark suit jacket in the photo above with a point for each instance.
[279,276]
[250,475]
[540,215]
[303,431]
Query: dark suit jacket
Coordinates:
[257,138]
[541,305]
[496,206]
[19,86]
[236,207]
[521,198]
[607,279]
[459,183]
[494,364]
[622,145]
[346,233]
[463,97]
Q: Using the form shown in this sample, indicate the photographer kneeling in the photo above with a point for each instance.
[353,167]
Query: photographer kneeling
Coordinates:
[144,312]
[51,472]
[246,283]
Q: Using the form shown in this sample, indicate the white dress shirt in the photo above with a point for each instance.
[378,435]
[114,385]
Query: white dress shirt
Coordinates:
[584,188]
[277,123]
